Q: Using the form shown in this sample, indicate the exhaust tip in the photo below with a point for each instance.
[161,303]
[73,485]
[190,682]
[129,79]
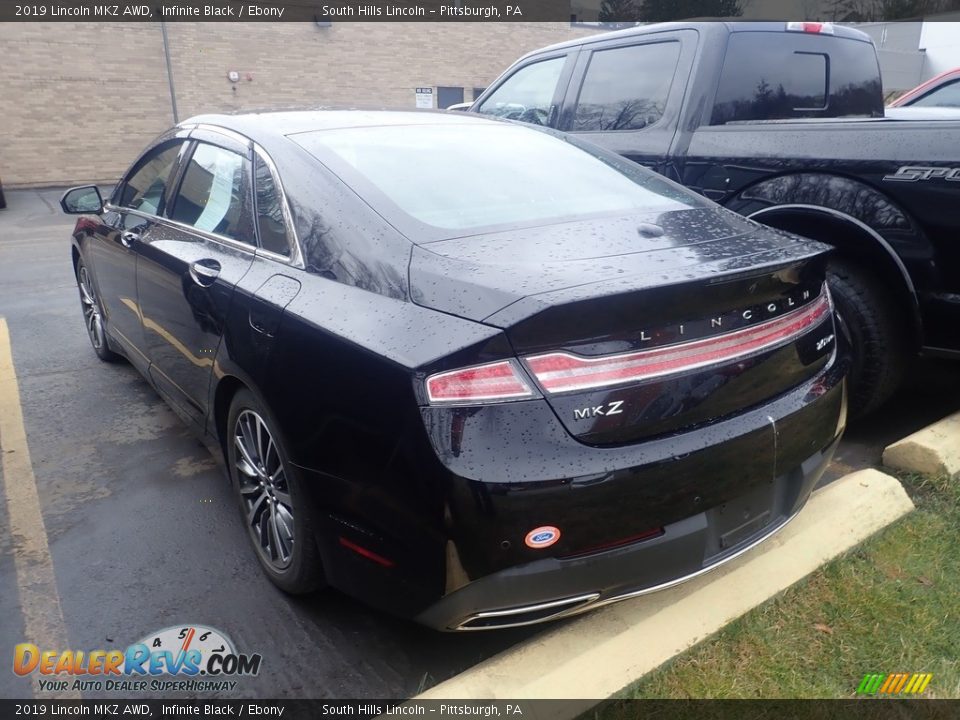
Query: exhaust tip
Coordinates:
[526,614]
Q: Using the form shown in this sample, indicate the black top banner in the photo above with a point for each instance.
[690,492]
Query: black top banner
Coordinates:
[872,709]
[610,13]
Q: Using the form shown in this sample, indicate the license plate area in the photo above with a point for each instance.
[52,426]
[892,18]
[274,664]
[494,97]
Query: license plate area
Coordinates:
[738,520]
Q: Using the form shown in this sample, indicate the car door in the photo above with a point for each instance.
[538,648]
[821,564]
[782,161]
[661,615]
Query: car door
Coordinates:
[531,92]
[625,95]
[129,216]
[190,264]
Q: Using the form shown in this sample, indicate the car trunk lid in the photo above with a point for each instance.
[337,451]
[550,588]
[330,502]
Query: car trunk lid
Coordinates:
[689,315]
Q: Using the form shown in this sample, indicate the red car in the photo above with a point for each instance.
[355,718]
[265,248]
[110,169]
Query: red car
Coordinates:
[940,91]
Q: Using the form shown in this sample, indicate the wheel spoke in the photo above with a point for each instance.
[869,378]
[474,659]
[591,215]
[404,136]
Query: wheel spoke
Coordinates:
[243,462]
[279,478]
[284,497]
[255,509]
[259,438]
[279,550]
[266,456]
[86,293]
[284,527]
[264,528]
[245,456]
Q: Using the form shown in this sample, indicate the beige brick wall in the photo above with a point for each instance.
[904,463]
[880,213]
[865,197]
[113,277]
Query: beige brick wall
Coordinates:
[78,101]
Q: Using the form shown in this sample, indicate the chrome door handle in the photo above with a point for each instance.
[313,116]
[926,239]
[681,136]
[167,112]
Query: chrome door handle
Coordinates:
[128,238]
[204,272]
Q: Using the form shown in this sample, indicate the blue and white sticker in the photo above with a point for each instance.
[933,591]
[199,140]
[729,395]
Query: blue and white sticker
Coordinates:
[543,536]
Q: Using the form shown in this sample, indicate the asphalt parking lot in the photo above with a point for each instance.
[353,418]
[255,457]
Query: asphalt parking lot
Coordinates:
[142,531]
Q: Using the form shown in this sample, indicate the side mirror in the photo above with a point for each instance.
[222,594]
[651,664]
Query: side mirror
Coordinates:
[84,200]
[460,107]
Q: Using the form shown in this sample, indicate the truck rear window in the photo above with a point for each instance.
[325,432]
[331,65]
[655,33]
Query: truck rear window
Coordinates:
[802,75]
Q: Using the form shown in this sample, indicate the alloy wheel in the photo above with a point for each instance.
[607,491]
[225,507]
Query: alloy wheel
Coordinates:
[264,489]
[91,310]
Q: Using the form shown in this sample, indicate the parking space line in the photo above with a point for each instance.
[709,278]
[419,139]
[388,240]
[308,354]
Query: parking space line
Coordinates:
[36,583]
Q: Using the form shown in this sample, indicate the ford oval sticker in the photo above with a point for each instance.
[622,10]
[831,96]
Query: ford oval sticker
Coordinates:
[542,537]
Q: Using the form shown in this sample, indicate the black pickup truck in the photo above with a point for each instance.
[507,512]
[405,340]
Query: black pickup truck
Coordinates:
[783,123]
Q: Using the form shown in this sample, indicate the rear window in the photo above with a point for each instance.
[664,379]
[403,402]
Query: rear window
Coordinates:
[801,75]
[471,176]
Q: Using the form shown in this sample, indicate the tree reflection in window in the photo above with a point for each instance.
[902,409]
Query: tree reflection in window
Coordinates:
[626,88]
[273,232]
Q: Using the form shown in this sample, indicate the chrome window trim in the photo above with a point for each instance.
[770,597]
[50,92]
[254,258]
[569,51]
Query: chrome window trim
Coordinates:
[296,254]
[206,235]
[235,136]
[177,225]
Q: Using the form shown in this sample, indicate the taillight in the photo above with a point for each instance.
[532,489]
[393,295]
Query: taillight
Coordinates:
[819,28]
[562,372]
[493,382]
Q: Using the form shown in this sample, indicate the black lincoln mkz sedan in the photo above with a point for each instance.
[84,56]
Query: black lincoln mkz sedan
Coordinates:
[471,372]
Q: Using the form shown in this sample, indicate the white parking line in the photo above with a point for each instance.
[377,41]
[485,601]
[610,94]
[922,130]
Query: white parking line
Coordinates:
[36,583]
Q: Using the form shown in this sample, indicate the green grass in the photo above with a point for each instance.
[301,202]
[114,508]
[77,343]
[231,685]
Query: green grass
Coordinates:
[890,605]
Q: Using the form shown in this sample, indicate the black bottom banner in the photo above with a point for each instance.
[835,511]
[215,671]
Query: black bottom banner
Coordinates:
[866,709]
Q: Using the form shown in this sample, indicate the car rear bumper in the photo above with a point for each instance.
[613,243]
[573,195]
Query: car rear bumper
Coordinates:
[568,587]
[805,426]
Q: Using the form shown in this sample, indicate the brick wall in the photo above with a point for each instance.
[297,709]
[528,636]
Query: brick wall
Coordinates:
[78,101]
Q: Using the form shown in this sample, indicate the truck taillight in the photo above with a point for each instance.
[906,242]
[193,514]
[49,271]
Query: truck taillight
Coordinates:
[493,382]
[564,372]
[819,28]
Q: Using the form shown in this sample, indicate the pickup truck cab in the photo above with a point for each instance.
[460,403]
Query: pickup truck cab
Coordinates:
[783,123]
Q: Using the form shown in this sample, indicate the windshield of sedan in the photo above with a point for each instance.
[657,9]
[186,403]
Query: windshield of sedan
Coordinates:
[470,176]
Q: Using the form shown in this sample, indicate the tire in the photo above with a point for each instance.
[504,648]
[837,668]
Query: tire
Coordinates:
[876,329]
[93,315]
[273,506]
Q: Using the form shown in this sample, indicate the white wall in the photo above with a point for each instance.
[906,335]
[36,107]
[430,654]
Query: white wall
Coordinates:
[942,43]
[901,64]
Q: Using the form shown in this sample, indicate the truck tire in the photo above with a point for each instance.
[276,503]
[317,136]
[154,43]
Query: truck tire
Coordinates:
[876,329]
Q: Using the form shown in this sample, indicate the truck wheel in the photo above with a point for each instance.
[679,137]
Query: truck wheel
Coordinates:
[877,332]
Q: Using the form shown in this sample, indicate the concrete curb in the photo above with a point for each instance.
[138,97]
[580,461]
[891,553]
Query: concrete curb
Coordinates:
[935,450]
[600,653]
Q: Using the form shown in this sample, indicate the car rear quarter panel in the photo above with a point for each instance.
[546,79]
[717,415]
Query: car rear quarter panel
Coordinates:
[344,381]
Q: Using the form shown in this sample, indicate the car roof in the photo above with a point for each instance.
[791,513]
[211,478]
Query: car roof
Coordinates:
[705,25]
[915,93]
[267,126]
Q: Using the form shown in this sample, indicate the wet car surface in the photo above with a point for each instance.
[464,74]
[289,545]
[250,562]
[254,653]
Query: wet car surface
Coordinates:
[452,385]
